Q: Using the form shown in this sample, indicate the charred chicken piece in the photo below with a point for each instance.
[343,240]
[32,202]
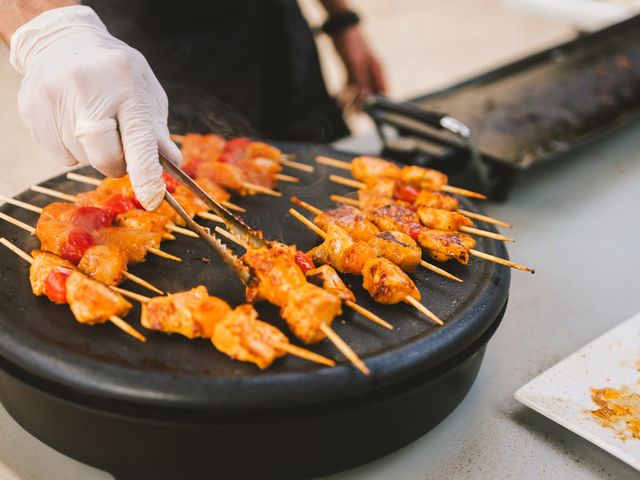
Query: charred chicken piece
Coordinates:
[397,247]
[427,198]
[425,178]
[442,219]
[443,245]
[354,221]
[363,168]
[193,313]
[327,278]
[243,337]
[386,282]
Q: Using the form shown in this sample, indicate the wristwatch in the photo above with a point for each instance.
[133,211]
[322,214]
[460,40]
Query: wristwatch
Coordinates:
[339,21]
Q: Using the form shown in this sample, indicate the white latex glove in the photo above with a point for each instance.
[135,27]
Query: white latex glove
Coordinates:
[88,97]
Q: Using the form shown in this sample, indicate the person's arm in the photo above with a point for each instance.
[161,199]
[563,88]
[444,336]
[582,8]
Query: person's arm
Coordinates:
[86,96]
[363,68]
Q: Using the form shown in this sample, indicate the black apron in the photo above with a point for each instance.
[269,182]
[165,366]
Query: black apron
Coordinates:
[234,62]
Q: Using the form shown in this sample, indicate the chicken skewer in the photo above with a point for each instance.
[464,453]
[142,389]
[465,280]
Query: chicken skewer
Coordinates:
[440,244]
[384,280]
[282,158]
[359,227]
[363,168]
[104,263]
[327,278]
[90,302]
[431,217]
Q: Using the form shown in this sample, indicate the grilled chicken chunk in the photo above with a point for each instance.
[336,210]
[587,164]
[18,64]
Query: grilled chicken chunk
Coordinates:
[326,277]
[132,242]
[243,337]
[386,282]
[399,248]
[425,178]
[442,219]
[43,263]
[142,220]
[443,245]
[92,302]
[431,199]
[363,168]
[352,220]
[104,263]
[193,313]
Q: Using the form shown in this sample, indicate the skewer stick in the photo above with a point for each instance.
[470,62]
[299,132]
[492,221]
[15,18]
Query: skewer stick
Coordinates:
[141,282]
[439,271]
[307,223]
[296,165]
[84,179]
[344,348]
[408,299]
[117,321]
[337,198]
[17,223]
[502,261]
[132,295]
[346,200]
[484,233]
[422,309]
[210,216]
[334,162]
[304,354]
[260,189]
[368,314]
[484,218]
[462,191]
[232,237]
[21,204]
[287,178]
[182,231]
[160,253]
[348,182]
[233,206]
[126,274]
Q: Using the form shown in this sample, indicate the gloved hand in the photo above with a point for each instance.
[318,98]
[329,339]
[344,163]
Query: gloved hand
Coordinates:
[92,99]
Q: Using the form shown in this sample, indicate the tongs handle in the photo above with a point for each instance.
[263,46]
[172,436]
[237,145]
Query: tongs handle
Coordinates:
[378,103]
[234,224]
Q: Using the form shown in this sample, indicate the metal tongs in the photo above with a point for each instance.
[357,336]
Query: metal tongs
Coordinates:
[236,226]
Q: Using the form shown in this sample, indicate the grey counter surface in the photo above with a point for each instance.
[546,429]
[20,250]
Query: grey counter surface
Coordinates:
[578,223]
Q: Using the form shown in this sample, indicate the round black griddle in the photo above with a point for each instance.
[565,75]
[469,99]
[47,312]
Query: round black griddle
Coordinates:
[177,408]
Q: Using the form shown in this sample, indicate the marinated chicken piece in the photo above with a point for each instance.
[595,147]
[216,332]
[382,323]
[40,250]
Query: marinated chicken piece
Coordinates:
[386,282]
[224,174]
[263,150]
[443,245]
[427,198]
[93,198]
[214,190]
[370,202]
[52,234]
[58,212]
[363,168]
[399,248]
[92,302]
[243,337]
[193,313]
[132,242]
[425,178]
[120,185]
[328,279]
[43,263]
[340,251]
[307,308]
[104,263]
[142,220]
[197,147]
[188,200]
[442,219]
[397,218]
[383,187]
[351,219]
[277,272]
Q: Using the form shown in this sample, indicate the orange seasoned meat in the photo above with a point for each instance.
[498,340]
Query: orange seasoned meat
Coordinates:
[326,277]
[243,337]
[425,178]
[370,202]
[214,190]
[364,168]
[193,313]
[132,242]
[52,234]
[398,218]
[386,282]
[43,263]
[307,309]
[443,245]
[397,247]
[442,219]
[427,198]
[92,302]
[142,220]
[333,250]
[352,220]
[104,263]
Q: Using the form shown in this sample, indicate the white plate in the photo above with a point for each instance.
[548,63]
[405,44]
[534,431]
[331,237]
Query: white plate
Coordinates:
[563,393]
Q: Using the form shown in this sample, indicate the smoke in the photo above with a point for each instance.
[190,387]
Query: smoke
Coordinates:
[193,109]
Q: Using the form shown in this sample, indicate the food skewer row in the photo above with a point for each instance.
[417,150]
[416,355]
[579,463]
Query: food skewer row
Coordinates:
[359,228]
[237,332]
[363,168]
[90,302]
[384,280]
[95,268]
[327,279]
[440,244]
[284,159]
[431,217]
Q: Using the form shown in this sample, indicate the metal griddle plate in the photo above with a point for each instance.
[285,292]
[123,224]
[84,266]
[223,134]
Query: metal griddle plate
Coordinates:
[550,103]
[101,363]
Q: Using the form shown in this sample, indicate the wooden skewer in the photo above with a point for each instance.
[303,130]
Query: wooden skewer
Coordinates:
[317,211]
[130,276]
[345,349]
[232,237]
[233,206]
[72,199]
[501,261]
[334,162]
[348,182]
[84,179]
[287,178]
[287,347]
[484,233]
[260,189]
[346,200]
[422,309]
[462,191]
[117,321]
[210,216]
[21,204]
[309,224]
[484,218]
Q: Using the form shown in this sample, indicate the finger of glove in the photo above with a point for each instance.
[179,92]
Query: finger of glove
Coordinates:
[100,141]
[160,108]
[140,146]
[168,147]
